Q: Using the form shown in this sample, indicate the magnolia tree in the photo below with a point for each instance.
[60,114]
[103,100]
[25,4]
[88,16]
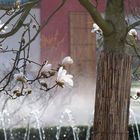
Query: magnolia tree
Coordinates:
[114,65]
[16,82]
[133,50]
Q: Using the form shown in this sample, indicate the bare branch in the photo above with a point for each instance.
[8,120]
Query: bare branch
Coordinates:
[46,22]
[17,81]
[11,18]
[18,25]
[96,16]
[137,23]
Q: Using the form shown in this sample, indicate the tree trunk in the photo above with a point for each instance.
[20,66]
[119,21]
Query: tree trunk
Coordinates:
[112,97]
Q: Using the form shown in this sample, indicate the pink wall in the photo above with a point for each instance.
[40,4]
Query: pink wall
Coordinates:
[55,36]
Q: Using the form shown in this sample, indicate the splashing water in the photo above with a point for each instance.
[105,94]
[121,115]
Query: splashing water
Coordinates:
[8,124]
[43,133]
[133,131]
[90,123]
[35,114]
[58,132]
[26,135]
[3,124]
[68,113]
[136,123]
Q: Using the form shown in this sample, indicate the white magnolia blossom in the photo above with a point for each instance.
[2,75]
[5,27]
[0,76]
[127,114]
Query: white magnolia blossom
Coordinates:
[20,77]
[43,82]
[67,61]
[17,4]
[96,29]
[17,89]
[28,91]
[133,33]
[47,67]
[63,78]
[17,92]
[1,25]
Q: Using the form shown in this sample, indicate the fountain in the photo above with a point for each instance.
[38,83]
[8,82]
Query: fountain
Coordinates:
[66,117]
[2,116]
[59,112]
[35,114]
[136,124]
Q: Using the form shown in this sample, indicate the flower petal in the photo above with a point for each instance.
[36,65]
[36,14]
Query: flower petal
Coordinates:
[61,72]
[67,61]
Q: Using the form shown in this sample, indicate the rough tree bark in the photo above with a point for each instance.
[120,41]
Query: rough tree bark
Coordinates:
[112,97]
[113,73]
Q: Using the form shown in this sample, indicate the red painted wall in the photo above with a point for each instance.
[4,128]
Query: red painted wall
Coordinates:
[55,36]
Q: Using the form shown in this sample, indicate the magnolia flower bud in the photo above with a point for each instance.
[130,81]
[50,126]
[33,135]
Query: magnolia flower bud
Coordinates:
[46,68]
[96,29]
[29,91]
[51,73]
[1,25]
[34,25]
[1,48]
[20,77]
[133,33]
[43,83]
[60,83]
[17,92]
[23,41]
[17,4]
[67,61]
